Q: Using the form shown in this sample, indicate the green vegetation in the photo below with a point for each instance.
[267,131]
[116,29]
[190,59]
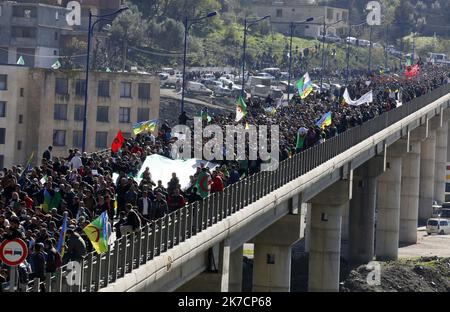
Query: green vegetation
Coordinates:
[150,35]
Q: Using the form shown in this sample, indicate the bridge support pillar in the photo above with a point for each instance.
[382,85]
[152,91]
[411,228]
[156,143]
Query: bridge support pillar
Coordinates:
[325,247]
[235,272]
[345,231]
[427,168]
[388,202]
[362,211]
[272,255]
[440,177]
[409,205]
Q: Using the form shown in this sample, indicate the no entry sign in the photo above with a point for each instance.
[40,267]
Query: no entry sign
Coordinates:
[13,252]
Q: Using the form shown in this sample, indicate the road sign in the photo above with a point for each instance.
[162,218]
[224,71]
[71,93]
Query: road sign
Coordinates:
[13,252]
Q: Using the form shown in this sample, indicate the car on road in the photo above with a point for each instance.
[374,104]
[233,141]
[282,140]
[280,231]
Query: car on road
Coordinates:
[198,88]
[265,75]
[438,226]
[331,38]
[351,40]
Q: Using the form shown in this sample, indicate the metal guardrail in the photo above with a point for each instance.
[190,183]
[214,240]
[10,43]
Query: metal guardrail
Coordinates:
[131,251]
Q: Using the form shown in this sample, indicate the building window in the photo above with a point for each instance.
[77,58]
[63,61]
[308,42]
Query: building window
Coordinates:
[103,88]
[80,86]
[19,145]
[144,91]
[2,161]
[57,15]
[22,91]
[279,12]
[3,82]
[2,109]
[330,14]
[102,113]
[56,35]
[345,16]
[59,137]
[60,112]
[61,86]
[124,114]
[143,114]
[77,138]
[20,119]
[101,139]
[55,53]
[2,135]
[125,89]
[78,113]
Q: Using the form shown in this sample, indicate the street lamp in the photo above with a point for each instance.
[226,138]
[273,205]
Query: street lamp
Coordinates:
[187,25]
[247,24]
[348,48]
[100,18]
[325,27]
[292,29]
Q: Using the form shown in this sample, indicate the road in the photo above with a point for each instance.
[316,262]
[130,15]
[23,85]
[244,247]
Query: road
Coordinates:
[174,95]
[433,245]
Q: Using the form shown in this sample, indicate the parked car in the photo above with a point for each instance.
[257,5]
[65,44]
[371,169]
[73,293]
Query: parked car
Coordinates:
[284,87]
[331,38]
[265,75]
[351,40]
[438,226]
[198,88]
[363,43]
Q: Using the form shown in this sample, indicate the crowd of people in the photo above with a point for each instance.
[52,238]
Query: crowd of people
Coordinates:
[35,201]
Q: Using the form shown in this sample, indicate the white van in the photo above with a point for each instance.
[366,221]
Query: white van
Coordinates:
[438,226]
[198,88]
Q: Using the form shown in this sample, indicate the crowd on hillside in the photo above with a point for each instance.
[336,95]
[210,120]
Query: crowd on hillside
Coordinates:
[34,201]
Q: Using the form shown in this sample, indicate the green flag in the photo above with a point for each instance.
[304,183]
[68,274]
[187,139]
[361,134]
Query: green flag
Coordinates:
[241,109]
[202,184]
[50,201]
[21,61]
[301,136]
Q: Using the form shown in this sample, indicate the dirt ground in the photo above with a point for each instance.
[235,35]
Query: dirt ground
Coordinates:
[427,246]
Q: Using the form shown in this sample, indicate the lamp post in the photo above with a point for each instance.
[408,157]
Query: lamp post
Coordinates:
[348,49]
[247,24]
[292,30]
[370,49]
[325,27]
[99,18]
[188,22]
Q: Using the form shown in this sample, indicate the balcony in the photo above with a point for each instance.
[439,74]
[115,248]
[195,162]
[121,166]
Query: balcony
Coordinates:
[23,41]
[24,21]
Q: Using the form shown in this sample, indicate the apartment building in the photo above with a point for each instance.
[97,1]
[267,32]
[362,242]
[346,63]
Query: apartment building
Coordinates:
[300,10]
[42,107]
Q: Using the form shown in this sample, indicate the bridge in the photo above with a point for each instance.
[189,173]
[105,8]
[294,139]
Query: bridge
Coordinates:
[370,186]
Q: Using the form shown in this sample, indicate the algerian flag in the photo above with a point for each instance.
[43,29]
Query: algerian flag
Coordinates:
[241,109]
[202,184]
[301,136]
[56,65]
[21,61]
[44,179]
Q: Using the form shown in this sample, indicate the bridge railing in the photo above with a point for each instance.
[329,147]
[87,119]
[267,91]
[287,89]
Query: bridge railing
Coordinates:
[131,251]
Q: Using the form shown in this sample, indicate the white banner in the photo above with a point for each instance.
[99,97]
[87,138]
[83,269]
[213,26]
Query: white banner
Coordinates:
[366,98]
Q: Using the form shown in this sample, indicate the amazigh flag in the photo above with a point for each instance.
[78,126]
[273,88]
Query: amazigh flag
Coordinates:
[50,201]
[28,164]
[241,109]
[117,143]
[301,136]
[21,61]
[62,236]
[202,184]
[304,86]
[56,65]
[97,232]
[148,126]
[325,121]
